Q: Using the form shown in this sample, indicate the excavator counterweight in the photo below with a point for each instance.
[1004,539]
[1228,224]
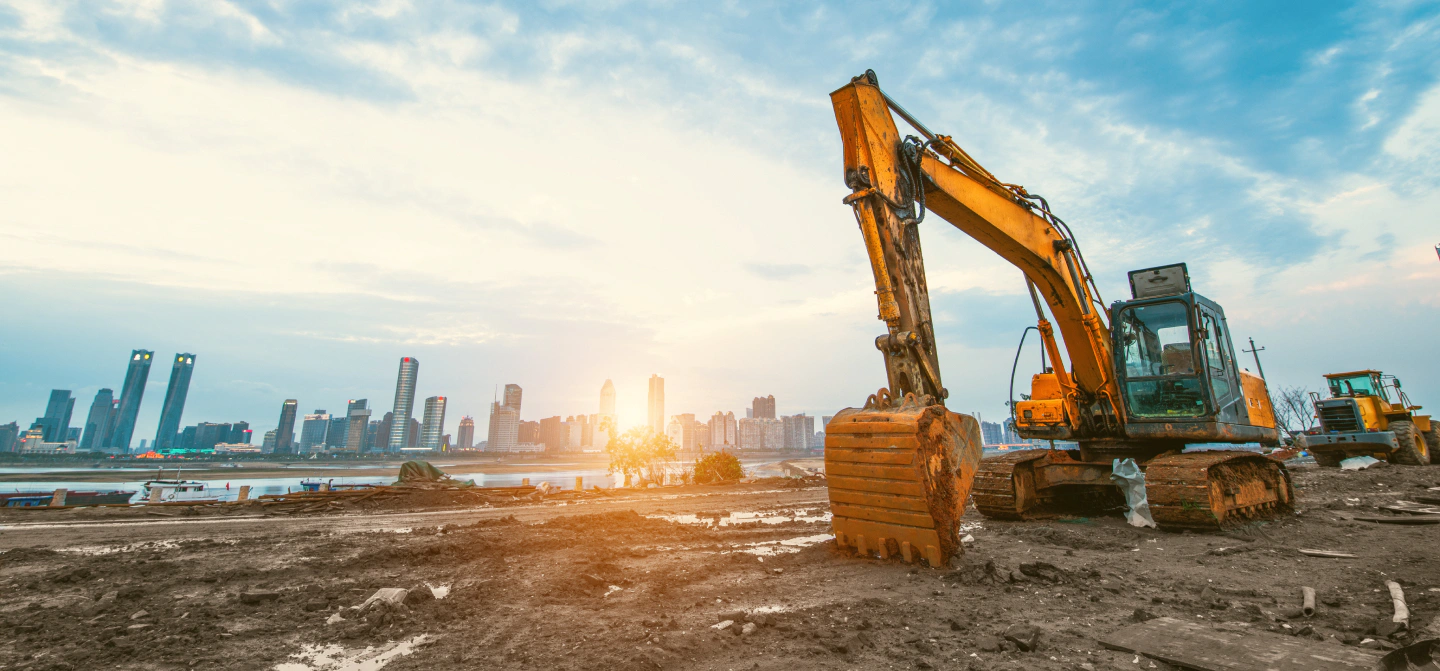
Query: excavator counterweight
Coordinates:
[1138,380]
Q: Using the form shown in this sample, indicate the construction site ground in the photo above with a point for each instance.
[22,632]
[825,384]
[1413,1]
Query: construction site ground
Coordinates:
[642,579]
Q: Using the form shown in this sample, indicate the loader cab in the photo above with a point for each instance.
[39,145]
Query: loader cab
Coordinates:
[1174,358]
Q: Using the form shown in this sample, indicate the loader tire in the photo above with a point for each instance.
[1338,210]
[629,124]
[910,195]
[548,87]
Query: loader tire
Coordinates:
[1432,441]
[1412,450]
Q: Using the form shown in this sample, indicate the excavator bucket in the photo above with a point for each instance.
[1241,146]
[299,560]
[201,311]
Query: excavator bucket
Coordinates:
[899,478]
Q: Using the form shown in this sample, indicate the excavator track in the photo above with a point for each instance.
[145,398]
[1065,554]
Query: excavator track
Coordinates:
[1007,488]
[1216,489]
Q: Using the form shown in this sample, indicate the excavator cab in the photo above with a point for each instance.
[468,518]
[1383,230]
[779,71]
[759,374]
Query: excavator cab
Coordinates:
[1175,362]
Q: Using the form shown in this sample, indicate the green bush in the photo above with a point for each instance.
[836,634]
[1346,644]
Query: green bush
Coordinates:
[716,467]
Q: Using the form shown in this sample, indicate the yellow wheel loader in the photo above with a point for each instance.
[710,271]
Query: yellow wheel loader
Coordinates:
[1140,379]
[1368,414]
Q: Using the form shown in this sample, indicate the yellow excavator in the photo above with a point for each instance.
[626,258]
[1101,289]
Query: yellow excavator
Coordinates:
[1140,379]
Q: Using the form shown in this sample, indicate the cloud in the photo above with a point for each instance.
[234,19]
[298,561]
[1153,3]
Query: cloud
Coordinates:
[778,271]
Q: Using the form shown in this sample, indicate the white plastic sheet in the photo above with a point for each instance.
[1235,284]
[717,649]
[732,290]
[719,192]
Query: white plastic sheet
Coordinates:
[1358,463]
[1126,475]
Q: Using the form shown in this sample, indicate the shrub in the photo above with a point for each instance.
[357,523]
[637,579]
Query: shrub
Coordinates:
[717,467]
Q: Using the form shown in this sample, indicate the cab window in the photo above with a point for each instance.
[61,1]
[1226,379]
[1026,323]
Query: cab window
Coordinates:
[1355,385]
[1159,359]
[1217,361]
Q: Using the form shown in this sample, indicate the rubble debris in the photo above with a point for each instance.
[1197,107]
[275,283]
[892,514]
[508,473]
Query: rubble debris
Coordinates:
[1024,636]
[1412,508]
[1419,656]
[1399,519]
[1397,599]
[385,595]
[1126,475]
[1328,554]
[1307,601]
[1358,463]
[1197,646]
[258,597]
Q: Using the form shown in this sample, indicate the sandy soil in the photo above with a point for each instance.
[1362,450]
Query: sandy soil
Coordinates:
[605,584]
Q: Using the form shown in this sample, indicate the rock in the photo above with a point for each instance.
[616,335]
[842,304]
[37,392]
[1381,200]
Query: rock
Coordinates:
[1386,628]
[138,626]
[386,596]
[334,619]
[1142,615]
[722,625]
[760,619]
[748,629]
[318,603]
[139,614]
[258,597]
[419,593]
[1026,636]
[736,615]
[988,644]
[1043,571]
[955,625]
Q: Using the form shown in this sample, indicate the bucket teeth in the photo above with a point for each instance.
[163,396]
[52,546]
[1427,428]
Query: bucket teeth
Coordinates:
[899,478]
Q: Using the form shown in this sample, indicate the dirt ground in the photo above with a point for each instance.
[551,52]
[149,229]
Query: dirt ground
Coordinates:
[616,583]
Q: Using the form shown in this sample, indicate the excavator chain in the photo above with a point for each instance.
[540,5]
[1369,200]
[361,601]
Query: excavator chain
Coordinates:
[1216,489]
[899,477]
[1011,487]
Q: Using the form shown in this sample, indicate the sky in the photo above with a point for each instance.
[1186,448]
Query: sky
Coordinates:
[554,193]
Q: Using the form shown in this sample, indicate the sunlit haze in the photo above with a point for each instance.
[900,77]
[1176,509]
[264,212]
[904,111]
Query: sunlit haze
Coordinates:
[553,195]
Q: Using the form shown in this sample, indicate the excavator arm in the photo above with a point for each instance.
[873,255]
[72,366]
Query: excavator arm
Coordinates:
[894,181]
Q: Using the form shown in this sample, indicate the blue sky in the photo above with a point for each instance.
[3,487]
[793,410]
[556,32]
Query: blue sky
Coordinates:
[556,193]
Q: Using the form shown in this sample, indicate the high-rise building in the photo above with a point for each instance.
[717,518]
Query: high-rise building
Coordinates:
[268,444]
[655,419]
[338,431]
[414,435]
[56,420]
[131,393]
[433,431]
[722,430]
[9,436]
[760,434]
[400,434]
[97,421]
[285,430]
[312,431]
[684,431]
[799,431]
[552,434]
[527,432]
[763,407]
[174,400]
[357,433]
[240,434]
[607,399]
[382,433]
[512,397]
[465,437]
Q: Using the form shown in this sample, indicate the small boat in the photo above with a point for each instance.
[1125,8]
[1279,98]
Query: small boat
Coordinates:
[316,486]
[165,491]
[176,490]
[37,499]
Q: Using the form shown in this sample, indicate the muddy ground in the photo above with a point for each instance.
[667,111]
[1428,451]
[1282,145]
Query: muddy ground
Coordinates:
[615,584]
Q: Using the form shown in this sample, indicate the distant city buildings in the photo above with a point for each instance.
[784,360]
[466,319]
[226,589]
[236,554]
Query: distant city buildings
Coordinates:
[174,406]
[357,429]
[55,424]
[799,432]
[131,393]
[763,407]
[655,418]
[465,436]
[723,431]
[285,428]
[504,434]
[433,431]
[996,433]
[760,434]
[9,437]
[607,399]
[400,431]
[312,431]
[100,421]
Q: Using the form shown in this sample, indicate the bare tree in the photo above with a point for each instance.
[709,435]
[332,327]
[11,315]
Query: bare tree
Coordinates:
[1294,411]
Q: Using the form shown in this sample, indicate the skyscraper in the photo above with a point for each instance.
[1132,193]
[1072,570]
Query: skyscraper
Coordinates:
[504,428]
[763,407]
[56,422]
[404,403]
[174,400]
[285,431]
[131,393]
[607,399]
[312,431]
[434,427]
[512,397]
[357,412]
[465,437]
[338,431]
[722,430]
[655,419]
[9,436]
[97,421]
